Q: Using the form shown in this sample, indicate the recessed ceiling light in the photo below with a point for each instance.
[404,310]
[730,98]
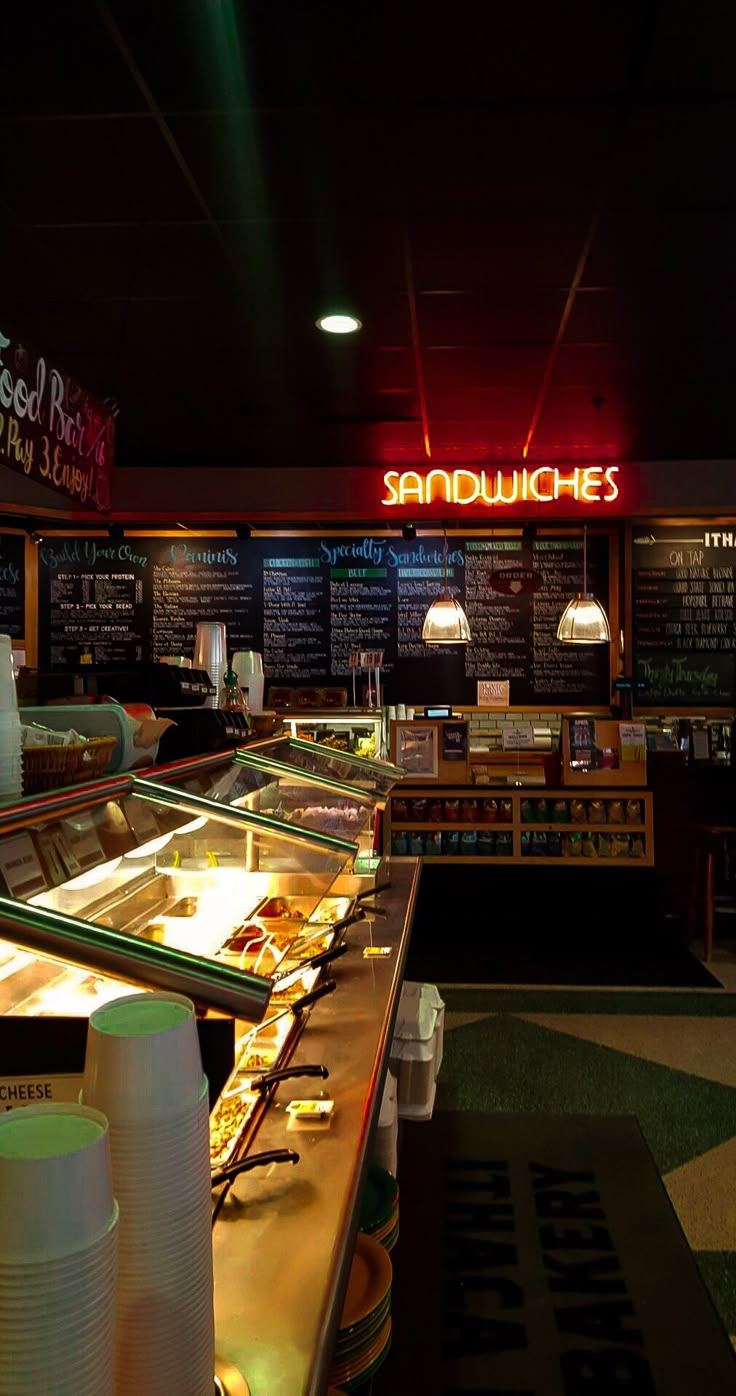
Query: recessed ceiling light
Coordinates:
[338,324]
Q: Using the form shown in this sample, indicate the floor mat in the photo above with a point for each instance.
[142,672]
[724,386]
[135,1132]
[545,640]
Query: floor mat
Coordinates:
[539,1255]
[563,926]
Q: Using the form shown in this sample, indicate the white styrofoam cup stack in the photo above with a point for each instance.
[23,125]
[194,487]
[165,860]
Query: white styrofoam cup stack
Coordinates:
[58,1242]
[248,665]
[210,654]
[144,1069]
[11,761]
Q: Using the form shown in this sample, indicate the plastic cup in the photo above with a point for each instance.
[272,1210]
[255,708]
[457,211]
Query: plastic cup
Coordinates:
[247,662]
[83,1325]
[55,1181]
[186,1132]
[8,694]
[159,1255]
[48,1305]
[210,646]
[87,1372]
[143,1061]
[254,685]
[150,1226]
[51,1271]
[210,654]
[159,1130]
[57,1333]
[35,1277]
[131,1169]
[188,1336]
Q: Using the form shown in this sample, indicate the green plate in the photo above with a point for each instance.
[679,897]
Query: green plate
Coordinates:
[368,1375]
[380,1197]
[347,1336]
[385,1230]
[344,1347]
[390,1241]
[359,1362]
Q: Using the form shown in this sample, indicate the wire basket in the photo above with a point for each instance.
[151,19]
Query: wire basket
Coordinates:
[51,767]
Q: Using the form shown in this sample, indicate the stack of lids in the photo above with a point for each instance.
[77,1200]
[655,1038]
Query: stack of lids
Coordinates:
[379,1212]
[364,1338]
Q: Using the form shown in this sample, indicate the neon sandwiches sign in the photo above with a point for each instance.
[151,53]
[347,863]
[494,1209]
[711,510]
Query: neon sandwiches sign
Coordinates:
[586,484]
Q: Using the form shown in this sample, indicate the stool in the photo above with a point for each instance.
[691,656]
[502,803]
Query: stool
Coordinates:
[707,840]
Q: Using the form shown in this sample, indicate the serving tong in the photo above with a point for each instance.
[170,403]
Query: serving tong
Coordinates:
[336,928]
[244,1165]
[262,1082]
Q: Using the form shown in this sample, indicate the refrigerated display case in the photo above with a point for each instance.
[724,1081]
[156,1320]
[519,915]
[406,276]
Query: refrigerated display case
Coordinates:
[317,763]
[358,731]
[332,794]
[242,865]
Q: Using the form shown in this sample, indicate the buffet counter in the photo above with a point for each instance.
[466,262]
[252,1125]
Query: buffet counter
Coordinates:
[283,1239]
[236,879]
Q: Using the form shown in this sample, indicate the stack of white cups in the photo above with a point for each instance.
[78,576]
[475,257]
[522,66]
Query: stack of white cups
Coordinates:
[210,654]
[58,1236]
[143,1068]
[11,761]
[248,665]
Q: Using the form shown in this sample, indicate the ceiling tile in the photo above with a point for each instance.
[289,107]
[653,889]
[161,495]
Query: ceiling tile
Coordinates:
[63,61]
[526,317]
[93,172]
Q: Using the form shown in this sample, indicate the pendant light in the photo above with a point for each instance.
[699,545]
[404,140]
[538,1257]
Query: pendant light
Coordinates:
[584,620]
[445,622]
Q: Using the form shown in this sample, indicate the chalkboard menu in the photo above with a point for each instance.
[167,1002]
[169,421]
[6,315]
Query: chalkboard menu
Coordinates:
[12,585]
[306,603]
[684,614]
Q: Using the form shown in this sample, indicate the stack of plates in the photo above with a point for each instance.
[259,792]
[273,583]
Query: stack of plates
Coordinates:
[365,1326]
[379,1212]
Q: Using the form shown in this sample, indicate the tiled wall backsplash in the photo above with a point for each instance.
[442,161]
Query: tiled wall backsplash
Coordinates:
[486,729]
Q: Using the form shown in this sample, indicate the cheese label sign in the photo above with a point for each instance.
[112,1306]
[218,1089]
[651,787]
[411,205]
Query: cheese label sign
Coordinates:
[35,1090]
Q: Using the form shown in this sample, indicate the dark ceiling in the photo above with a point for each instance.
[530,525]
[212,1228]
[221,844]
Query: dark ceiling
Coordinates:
[531,207]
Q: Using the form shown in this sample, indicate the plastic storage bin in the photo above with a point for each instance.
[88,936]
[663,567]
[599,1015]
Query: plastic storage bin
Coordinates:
[386,1143]
[416,1051]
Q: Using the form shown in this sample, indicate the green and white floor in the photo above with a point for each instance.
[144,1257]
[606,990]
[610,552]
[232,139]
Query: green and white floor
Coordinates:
[668,1057]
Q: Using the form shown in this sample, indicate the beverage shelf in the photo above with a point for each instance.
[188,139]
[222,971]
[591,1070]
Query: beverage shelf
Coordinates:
[571,828]
[413,826]
[575,862]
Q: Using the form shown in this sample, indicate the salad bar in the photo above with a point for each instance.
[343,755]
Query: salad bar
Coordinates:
[235,873]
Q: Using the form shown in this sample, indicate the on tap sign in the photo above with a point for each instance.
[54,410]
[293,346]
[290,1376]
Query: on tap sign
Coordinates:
[545,489]
[52,430]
